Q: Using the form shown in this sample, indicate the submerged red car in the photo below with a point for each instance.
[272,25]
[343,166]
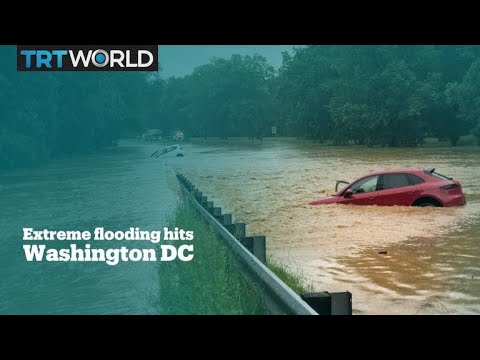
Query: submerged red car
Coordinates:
[412,187]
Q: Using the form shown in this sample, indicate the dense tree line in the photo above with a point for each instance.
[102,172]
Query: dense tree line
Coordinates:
[47,114]
[368,95]
[379,95]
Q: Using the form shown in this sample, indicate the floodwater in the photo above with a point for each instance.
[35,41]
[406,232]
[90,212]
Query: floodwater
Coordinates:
[431,266]
[118,189]
[432,260]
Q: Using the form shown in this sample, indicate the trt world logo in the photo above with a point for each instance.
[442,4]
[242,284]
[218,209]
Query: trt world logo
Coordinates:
[87,58]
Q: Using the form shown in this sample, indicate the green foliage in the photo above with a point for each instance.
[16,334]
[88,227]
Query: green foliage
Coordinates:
[230,97]
[467,140]
[210,283]
[294,279]
[373,95]
[466,96]
[367,95]
[45,114]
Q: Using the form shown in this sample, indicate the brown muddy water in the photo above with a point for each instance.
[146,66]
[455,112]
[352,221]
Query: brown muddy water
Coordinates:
[432,265]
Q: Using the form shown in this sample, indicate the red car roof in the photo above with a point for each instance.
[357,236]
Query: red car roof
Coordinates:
[408,171]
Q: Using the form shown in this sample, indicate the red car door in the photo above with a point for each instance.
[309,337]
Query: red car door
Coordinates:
[362,199]
[396,189]
[364,192]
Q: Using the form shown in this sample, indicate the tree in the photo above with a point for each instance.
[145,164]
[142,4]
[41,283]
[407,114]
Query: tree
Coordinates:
[466,97]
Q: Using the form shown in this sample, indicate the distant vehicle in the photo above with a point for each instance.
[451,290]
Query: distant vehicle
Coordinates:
[169,151]
[412,187]
[179,135]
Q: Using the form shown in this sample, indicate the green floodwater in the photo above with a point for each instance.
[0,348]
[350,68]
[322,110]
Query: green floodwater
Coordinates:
[431,265]
[116,189]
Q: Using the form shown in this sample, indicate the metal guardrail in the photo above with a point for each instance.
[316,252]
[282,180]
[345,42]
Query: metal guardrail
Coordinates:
[250,256]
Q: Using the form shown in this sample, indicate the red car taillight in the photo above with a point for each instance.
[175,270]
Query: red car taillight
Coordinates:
[449,187]
[455,186]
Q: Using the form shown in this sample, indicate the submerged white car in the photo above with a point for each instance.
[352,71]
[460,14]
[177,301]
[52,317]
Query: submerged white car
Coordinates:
[169,151]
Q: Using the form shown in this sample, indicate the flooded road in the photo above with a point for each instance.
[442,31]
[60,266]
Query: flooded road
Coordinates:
[432,264]
[117,189]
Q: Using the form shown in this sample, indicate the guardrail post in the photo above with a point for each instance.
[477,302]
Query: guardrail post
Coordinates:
[256,245]
[247,242]
[260,248]
[226,219]
[341,303]
[325,303]
[209,206]
[239,230]
[321,302]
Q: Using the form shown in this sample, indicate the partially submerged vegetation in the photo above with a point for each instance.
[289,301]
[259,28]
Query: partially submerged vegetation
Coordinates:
[210,283]
[296,280]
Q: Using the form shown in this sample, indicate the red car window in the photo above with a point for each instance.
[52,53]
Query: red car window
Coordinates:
[366,185]
[392,181]
[414,180]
